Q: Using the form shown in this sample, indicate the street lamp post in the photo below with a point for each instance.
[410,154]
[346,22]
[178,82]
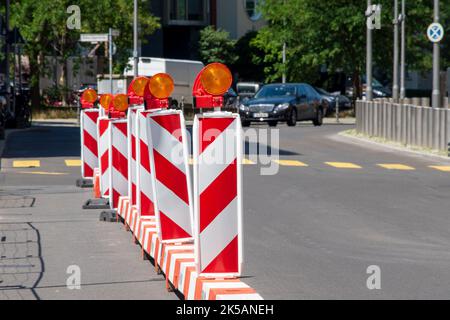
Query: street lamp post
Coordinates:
[403,53]
[369,93]
[110,49]
[284,51]
[436,98]
[395,87]
[135,39]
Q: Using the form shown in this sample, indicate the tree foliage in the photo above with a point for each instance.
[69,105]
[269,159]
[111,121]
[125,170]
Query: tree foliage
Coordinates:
[333,34]
[215,45]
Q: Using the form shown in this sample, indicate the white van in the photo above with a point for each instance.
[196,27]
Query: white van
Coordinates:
[183,73]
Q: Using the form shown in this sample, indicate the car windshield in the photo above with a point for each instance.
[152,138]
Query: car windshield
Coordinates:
[322,91]
[276,91]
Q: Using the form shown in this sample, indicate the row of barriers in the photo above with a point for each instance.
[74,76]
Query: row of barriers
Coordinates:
[136,152]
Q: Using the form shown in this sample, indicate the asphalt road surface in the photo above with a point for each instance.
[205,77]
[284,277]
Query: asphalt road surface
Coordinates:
[333,208]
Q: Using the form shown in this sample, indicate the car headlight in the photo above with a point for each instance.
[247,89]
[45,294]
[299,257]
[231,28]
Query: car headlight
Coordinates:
[243,107]
[282,107]
[379,93]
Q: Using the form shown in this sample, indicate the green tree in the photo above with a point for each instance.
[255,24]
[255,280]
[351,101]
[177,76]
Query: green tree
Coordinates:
[249,65]
[43,25]
[333,34]
[216,46]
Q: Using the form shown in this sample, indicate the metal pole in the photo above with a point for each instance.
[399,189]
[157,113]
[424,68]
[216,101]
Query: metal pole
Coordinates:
[7,50]
[369,91]
[403,53]
[135,38]
[436,99]
[337,109]
[284,49]
[110,43]
[395,87]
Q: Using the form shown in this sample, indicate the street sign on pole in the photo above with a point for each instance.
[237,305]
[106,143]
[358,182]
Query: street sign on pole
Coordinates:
[435,32]
[94,37]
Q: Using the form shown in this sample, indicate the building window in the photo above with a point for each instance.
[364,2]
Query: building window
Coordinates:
[187,12]
[251,7]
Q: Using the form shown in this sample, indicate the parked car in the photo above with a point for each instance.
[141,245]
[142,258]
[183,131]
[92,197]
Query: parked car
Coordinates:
[247,90]
[284,103]
[379,91]
[344,102]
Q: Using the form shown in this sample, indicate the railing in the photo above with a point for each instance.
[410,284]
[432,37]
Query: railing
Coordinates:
[406,123]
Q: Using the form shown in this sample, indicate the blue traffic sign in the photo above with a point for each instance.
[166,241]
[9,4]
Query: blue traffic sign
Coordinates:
[435,32]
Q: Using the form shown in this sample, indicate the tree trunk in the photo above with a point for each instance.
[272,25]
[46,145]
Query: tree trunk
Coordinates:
[357,94]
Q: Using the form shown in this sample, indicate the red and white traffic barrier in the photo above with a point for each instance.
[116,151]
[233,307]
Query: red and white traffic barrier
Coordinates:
[166,132]
[218,194]
[144,187]
[89,148]
[132,164]
[103,133]
[118,161]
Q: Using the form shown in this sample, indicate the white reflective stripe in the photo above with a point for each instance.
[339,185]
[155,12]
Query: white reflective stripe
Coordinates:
[217,157]
[207,286]
[243,296]
[148,231]
[173,207]
[153,246]
[146,183]
[104,180]
[222,230]
[119,183]
[171,248]
[167,145]
[173,261]
[89,158]
[120,141]
[133,172]
[89,125]
[182,277]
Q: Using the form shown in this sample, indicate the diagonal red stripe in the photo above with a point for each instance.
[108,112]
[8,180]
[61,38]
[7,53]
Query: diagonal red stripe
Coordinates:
[170,230]
[103,126]
[120,162]
[218,195]
[170,123]
[133,194]
[88,171]
[93,115]
[145,157]
[170,176]
[116,196]
[122,126]
[105,162]
[90,143]
[147,207]
[210,129]
[226,261]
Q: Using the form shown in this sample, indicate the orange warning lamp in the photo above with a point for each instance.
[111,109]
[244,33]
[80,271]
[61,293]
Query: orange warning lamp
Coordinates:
[211,84]
[120,102]
[106,101]
[160,87]
[88,98]
[137,90]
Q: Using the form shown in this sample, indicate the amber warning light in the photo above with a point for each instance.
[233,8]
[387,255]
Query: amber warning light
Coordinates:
[211,84]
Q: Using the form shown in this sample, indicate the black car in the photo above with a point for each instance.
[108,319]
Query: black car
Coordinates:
[344,102]
[284,103]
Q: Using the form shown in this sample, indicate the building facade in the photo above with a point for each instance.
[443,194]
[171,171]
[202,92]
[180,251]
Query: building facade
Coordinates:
[182,21]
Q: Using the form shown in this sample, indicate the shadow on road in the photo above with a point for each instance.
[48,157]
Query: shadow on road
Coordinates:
[44,141]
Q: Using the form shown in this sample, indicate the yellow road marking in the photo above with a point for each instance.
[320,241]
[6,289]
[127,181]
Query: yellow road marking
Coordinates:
[441,168]
[343,165]
[291,163]
[73,163]
[26,164]
[396,166]
[42,173]
[247,161]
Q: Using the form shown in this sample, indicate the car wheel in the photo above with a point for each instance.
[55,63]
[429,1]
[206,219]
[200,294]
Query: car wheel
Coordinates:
[273,123]
[318,121]
[245,123]
[292,121]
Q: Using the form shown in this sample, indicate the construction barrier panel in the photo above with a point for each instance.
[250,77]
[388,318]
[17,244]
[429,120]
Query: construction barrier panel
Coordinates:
[217,147]
[167,142]
[132,165]
[89,148]
[118,161]
[144,187]
[103,133]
